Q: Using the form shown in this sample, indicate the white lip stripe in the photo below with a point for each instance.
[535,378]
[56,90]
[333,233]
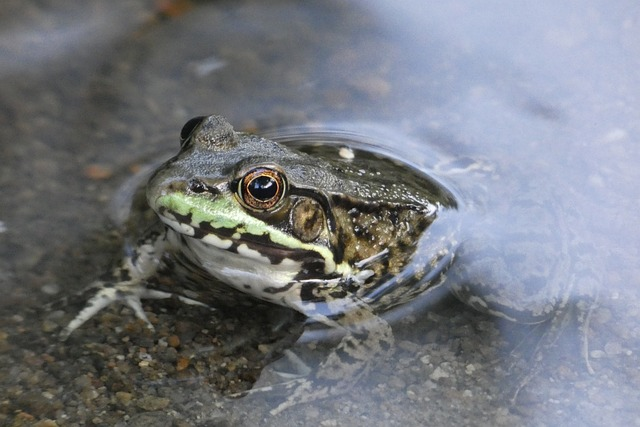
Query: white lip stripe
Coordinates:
[178,226]
[188,230]
[247,252]
[214,240]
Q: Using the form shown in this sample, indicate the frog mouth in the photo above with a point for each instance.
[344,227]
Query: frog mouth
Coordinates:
[255,246]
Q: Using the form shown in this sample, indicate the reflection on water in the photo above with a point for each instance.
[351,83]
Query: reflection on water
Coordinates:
[543,95]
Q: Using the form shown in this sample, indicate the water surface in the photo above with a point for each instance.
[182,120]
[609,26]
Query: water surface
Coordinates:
[545,93]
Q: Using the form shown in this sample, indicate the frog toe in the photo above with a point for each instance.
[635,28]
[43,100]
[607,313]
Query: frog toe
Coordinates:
[103,298]
[131,294]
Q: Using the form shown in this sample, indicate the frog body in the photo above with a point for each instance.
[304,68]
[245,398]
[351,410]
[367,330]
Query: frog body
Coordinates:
[338,238]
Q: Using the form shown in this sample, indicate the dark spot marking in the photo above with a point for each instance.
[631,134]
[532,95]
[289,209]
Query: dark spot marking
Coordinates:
[278,289]
[307,293]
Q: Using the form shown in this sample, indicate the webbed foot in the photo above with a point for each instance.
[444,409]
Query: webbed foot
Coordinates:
[131,293]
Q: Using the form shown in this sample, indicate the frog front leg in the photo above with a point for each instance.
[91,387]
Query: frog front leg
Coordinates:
[368,338]
[127,282]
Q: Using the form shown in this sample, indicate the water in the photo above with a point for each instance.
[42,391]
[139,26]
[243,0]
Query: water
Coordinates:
[544,93]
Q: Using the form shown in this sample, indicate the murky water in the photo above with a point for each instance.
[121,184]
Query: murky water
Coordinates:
[544,95]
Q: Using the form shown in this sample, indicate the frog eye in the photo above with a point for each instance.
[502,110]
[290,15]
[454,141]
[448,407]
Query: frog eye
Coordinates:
[262,188]
[188,129]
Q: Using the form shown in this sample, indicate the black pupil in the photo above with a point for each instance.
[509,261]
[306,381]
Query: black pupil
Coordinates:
[263,188]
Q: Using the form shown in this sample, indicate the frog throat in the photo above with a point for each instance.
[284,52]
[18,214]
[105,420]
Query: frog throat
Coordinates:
[222,223]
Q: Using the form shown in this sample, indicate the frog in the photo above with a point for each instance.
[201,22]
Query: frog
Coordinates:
[340,234]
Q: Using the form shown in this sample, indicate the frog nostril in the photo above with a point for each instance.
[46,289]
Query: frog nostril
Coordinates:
[197,186]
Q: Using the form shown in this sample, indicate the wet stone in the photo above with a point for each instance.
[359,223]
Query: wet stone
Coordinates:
[152,403]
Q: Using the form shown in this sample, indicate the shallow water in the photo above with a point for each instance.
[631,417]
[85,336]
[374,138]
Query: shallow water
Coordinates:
[544,94]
